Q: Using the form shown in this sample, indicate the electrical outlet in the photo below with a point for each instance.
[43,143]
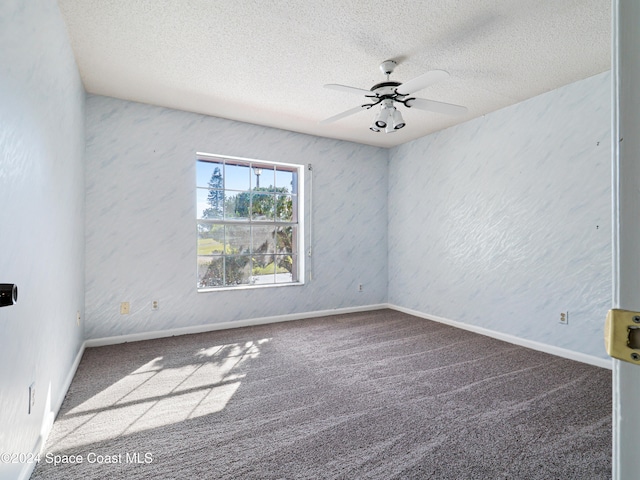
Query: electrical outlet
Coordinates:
[564,318]
[32,397]
[155,305]
[124,308]
[78,317]
[360,288]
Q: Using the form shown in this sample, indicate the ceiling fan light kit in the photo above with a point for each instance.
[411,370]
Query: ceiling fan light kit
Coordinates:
[386,94]
[390,119]
[398,121]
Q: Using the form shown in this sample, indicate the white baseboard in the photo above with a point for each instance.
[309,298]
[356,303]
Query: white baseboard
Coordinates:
[542,347]
[135,337]
[69,378]
[50,416]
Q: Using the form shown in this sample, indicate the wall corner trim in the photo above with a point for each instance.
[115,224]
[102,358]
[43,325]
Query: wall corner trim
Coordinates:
[541,347]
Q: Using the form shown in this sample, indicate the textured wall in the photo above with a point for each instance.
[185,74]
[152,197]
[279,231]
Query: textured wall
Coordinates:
[41,218]
[504,222]
[140,219]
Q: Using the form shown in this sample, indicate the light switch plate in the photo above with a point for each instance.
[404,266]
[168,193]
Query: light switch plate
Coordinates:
[32,397]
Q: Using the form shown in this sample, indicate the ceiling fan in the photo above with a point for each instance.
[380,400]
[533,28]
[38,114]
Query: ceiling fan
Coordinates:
[388,94]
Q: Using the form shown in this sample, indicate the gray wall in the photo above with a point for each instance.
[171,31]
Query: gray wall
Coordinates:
[504,222]
[41,218]
[140,221]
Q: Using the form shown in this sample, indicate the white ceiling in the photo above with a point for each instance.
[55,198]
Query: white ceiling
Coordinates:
[265,62]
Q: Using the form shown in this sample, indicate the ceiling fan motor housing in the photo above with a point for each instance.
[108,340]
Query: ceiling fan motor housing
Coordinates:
[385,88]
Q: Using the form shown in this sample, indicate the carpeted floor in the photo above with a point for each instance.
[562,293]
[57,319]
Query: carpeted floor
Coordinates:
[375,395]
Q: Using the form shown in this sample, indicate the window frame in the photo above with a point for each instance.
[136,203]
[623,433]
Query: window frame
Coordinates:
[297,220]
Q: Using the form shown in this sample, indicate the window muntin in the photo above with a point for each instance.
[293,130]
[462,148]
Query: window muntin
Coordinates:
[248,228]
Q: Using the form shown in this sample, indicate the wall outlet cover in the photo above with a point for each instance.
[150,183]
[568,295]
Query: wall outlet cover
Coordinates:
[124,308]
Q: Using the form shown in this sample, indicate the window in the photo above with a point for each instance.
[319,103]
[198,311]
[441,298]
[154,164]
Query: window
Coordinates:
[249,222]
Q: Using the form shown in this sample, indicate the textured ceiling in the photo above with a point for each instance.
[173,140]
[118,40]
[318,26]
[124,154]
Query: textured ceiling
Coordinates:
[265,62]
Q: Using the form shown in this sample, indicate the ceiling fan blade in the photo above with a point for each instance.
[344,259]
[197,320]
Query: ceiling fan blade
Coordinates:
[344,88]
[422,81]
[439,107]
[351,111]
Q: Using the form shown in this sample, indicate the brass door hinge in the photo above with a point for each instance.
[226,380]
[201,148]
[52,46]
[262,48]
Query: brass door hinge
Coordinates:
[622,335]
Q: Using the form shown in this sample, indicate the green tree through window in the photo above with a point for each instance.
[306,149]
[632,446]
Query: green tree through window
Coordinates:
[216,196]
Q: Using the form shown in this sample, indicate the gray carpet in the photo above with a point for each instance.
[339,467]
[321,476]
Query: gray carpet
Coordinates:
[376,395]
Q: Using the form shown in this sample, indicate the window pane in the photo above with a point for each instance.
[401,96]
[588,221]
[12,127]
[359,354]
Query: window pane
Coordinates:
[284,208]
[284,239]
[210,239]
[262,206]
[263,239]
[208,172]
[237,239]
[263,269]
[210,203]
[210,272]
[284,266]
[237,269]
[284,181]
[294,208]
[237,177]
[236,206]
[262,177]
[201,202]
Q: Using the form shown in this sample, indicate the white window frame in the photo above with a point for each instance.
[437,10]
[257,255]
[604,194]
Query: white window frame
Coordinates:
[298,252]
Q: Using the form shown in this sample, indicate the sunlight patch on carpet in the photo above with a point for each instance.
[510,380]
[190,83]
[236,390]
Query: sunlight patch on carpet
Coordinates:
[161,392]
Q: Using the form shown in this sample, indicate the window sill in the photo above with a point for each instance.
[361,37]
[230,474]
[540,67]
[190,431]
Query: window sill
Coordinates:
[248,287]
